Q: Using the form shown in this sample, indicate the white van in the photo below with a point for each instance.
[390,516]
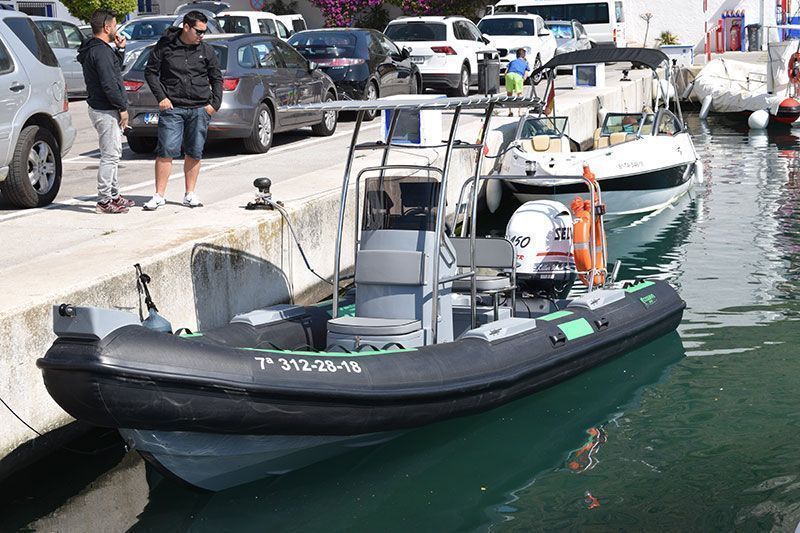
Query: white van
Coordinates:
[295,22]
[602,19]
[253,22]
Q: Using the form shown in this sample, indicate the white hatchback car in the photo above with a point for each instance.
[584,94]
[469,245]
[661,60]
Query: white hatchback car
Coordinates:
[35,125]
[444,48]
[253,22]
[512,31]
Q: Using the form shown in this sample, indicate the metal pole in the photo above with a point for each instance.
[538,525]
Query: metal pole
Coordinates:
[440,216]
[473,217]
[342,206]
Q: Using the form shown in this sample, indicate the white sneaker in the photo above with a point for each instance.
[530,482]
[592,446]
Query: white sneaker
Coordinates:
[191,199]
[154,203]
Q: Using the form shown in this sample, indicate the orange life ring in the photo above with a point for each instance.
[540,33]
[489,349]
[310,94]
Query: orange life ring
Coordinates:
[581,236]
[794,68]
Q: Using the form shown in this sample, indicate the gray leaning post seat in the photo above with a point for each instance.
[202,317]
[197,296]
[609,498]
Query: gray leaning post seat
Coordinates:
[497,253]
[394,272]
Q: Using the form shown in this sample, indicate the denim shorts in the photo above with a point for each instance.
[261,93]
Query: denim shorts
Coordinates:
[182,126]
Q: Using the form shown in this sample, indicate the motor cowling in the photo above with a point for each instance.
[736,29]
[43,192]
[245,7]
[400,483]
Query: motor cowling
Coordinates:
[541,232]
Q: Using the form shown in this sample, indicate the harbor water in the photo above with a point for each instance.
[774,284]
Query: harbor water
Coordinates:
[697,431]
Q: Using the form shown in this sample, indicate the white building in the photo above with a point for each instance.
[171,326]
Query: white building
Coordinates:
[685,18]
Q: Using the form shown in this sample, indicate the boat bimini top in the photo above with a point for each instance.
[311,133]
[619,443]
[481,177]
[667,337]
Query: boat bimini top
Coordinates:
[649,57]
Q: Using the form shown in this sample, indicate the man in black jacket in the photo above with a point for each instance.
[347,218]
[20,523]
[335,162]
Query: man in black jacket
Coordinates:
[102,70]
[184,75]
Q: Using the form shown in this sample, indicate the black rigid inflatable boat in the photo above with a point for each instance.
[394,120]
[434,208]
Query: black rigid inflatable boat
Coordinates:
[425,335]
[233,380]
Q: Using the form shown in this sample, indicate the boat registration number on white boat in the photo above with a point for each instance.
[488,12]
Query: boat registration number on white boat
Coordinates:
[290,364]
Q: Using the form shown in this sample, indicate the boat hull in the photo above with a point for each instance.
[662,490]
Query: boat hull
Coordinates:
[622,195]
[637,176]
[215,462]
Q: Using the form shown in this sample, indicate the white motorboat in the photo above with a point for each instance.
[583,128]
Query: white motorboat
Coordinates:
[643,161]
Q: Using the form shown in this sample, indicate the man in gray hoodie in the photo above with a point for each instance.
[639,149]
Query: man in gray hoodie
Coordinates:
[108,105]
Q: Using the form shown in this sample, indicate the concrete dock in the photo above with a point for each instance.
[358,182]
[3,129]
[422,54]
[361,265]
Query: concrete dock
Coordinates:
[210,263]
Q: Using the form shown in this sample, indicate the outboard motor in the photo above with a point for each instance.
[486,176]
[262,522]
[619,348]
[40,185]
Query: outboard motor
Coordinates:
[541,232]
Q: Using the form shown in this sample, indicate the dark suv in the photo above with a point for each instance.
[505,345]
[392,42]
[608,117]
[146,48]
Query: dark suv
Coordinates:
[261,74]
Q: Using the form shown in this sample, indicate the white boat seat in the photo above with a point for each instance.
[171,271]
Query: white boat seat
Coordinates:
[540,143]
[618,138]
[600,140]
[361,325]
[483,284]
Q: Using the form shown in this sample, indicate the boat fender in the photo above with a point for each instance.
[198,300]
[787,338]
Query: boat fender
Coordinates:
[705,108]
[758,120]
[699,171]
[494,194]
[688,91]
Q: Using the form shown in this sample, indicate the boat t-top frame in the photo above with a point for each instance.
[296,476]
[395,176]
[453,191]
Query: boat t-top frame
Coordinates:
[487,104]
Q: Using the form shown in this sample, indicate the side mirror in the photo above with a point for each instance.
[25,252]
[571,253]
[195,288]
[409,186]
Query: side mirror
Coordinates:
[312,66]
[486,39]
[405,53]
[544,33]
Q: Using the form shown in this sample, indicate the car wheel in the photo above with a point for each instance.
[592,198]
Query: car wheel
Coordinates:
[416,85]
[328,124]
[142,145]
[260,138]
[537,64]
[463,83]
[371,93]
[34,175]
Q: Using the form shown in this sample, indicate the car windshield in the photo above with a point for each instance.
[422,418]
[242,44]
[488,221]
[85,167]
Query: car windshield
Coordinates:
[232,24]
[561,31]
[325,44]
[506,26]
[138,30]
[551,126]
[219,50]
[416,31]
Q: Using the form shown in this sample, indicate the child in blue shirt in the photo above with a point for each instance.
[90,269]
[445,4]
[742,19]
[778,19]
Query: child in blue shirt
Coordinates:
[516,73]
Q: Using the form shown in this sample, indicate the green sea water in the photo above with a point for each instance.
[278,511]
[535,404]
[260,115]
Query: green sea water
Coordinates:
[697,431]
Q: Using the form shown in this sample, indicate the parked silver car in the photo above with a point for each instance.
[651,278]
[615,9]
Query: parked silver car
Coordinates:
[570,35]
[261,74]
[65,38]
[35,126]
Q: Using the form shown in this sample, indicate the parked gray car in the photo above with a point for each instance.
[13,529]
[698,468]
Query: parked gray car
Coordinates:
[65,38]
[35,125]
[260,75]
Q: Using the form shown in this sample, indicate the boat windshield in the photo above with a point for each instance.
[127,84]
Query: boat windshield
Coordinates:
[551,126]
[400,203]
[627,123]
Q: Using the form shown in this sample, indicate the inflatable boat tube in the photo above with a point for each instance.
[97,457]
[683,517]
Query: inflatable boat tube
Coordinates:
[242,379]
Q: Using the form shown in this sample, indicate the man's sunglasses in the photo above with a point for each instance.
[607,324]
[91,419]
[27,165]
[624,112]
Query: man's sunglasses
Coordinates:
[200,33]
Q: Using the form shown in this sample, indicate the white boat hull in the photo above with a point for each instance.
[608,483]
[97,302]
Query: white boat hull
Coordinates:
[637,176]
